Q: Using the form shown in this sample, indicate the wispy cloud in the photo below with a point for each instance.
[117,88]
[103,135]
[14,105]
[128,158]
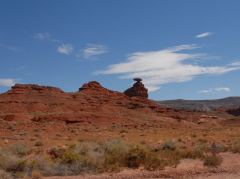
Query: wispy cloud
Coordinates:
[214,90]
[42,36]
[62,48]
[170,65]
[11,48]
[203,35]
[89,51]
[7,82]
[92,50]
[45,36]
[65,49]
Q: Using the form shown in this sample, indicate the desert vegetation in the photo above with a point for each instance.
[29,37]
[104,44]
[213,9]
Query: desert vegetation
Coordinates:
[19,161]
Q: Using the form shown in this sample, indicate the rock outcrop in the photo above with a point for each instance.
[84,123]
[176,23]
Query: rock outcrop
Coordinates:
[137,89]
[92,103]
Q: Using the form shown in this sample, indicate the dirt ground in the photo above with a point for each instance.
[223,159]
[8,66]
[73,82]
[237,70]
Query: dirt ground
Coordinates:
[52,134]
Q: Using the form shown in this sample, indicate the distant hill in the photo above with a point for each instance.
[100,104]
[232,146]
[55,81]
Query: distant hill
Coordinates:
[202,105]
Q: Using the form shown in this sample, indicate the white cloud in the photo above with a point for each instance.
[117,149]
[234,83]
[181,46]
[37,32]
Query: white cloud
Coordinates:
[42,36]
[46,36]
[203,35]
[92,50]
[11,48]
[214,90]
[7,82]
[170,65]
[65,49]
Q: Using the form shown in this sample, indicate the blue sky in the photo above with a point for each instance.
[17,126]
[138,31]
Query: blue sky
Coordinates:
[182,49]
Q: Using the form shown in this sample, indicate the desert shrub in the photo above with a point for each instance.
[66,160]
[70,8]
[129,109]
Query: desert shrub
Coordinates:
[20,150]
[197,152]
[153,161]
[91,155]
[56,153]
[92,150]
[12,163]
[47,167]
[236,147]
[70,157]
[5,175]
[136,156]
[219,148]
[17,166]
[82,157]
[115,152]
[169,157]
[169,145]
[212,160]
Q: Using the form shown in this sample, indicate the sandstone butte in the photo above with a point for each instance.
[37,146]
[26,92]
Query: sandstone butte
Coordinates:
[92,103]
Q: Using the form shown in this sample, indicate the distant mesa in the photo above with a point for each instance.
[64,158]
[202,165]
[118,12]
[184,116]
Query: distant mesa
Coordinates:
[137,89]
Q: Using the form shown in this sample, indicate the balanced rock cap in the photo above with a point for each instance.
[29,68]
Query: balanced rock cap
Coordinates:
[137,89]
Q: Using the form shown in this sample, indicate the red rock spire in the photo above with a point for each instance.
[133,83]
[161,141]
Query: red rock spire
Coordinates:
[137,89]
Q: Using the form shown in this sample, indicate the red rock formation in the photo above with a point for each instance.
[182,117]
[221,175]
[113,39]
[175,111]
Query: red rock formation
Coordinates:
[92,103]
[138,89]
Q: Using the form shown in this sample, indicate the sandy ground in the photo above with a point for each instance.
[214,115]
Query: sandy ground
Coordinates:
[187,169]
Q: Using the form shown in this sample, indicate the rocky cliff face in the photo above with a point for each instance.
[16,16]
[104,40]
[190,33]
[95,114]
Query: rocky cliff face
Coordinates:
[137,89]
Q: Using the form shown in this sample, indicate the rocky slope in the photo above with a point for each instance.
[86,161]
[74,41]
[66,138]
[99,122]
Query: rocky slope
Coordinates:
[91,103]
